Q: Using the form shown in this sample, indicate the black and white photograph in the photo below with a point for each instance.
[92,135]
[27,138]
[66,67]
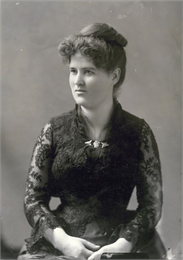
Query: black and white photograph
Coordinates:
[91,130]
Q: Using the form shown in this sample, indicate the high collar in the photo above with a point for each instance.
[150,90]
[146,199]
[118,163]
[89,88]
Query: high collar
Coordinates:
[114,121]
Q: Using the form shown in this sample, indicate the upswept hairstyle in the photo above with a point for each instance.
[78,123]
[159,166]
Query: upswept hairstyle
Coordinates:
[102,44]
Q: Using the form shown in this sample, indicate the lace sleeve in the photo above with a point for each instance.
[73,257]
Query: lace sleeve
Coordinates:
[37,198]
[149,189]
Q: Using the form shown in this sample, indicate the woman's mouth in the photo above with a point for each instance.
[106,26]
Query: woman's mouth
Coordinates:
[80,91]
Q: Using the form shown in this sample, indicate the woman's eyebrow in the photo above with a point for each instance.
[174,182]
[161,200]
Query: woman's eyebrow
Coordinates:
[84,68]
[89,68]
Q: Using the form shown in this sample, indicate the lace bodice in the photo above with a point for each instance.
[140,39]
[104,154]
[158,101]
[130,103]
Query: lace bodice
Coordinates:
[94,183]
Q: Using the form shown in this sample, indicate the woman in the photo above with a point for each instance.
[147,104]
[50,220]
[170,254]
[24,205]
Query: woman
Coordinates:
[92,158]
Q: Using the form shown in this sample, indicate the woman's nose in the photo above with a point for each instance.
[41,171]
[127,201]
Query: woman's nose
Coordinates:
[79,79]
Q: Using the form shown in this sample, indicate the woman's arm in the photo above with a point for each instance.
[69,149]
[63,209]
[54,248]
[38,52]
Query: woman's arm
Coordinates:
[149,189]
[37,193]
[36,204]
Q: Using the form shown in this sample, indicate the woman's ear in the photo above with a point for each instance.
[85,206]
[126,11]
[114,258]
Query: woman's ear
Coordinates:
[116,75]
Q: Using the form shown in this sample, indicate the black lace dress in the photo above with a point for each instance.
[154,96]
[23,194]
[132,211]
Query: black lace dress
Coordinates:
[94,182]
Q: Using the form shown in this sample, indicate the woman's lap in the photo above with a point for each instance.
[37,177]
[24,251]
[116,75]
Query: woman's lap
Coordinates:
[153,247]
[42,254]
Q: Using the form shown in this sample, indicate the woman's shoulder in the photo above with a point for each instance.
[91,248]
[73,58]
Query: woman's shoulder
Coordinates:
[127,119]
[64,119]
[131,117]
[133,123]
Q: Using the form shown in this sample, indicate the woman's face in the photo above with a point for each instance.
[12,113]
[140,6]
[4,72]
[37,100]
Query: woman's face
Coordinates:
[90,86]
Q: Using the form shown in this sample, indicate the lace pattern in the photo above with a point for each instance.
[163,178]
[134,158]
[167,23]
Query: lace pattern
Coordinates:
[36,202]
[94,183]
[149,189]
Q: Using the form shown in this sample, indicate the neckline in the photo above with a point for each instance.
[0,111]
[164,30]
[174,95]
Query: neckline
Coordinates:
[111,125]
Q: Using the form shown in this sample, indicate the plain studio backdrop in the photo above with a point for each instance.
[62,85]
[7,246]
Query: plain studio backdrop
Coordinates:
[35,88]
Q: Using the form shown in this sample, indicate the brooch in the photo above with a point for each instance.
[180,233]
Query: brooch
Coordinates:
[96,144]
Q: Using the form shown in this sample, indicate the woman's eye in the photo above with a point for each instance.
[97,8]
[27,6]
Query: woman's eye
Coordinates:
[88,72]
[72,71]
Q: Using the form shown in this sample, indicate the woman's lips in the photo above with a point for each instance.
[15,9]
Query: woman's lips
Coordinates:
[80,91]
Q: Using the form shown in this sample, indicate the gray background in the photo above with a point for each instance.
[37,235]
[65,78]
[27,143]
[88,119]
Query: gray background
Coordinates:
[35,88]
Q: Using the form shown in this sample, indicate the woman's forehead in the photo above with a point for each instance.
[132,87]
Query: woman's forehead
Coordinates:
[81,60]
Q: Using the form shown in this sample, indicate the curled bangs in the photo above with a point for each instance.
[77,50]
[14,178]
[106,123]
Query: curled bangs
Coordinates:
[93,48]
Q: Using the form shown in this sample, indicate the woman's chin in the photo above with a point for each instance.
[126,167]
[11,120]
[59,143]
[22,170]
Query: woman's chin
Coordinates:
[82,102]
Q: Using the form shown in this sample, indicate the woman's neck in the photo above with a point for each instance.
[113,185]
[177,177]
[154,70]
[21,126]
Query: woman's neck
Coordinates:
[97,119]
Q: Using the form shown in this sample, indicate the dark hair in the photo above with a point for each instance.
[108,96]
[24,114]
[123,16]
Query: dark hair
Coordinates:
[102,44]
